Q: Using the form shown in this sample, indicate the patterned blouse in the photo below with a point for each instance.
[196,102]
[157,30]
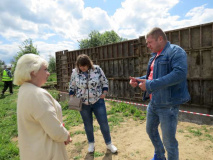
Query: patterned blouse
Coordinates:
[97,83]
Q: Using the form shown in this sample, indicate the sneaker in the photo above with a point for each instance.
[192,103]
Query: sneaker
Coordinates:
[91,147]
[156,158]
[112,148]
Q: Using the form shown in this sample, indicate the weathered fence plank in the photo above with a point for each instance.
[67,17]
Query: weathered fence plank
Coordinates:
[130,58]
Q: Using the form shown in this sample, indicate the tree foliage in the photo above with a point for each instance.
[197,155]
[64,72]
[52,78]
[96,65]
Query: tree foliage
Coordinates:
[2,64]
[97,39]
[25,48]
[52,64]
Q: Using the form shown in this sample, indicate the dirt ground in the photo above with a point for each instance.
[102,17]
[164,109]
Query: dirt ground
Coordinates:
[133,143]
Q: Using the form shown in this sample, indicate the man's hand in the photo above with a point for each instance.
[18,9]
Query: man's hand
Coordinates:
[142,84]
[133,82]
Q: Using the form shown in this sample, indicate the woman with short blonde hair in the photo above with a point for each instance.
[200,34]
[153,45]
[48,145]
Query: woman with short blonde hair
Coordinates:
[41,134]
[25,65]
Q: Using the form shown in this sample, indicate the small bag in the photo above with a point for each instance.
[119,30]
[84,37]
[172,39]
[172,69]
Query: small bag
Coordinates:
[75,103]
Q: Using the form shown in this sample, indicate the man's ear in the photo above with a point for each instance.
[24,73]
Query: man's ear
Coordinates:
[160,38]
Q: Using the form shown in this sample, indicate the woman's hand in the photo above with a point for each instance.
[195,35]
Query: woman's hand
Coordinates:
[103,95]
[69,139]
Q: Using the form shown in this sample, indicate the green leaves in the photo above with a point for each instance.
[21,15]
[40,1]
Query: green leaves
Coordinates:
[52,64]
[97,39]
[2,63]
[25,48]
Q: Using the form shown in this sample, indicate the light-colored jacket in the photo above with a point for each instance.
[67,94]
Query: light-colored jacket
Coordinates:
[97,83]
[41,134]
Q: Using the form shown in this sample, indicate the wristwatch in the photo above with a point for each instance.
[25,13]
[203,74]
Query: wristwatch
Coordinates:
[104,93]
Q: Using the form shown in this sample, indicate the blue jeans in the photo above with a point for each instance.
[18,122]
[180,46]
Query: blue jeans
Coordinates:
[99,109]
[168,118]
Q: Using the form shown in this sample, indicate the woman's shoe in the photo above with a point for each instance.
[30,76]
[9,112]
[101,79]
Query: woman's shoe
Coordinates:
[91,147]
[112,148]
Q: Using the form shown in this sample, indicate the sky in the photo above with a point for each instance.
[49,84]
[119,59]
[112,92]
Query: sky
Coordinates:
[56,25]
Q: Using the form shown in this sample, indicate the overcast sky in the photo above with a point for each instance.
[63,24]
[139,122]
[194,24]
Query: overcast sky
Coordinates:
[56,25]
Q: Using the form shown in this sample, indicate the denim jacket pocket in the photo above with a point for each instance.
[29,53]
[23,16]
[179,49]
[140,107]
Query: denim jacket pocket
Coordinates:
[164,96]
[163,67]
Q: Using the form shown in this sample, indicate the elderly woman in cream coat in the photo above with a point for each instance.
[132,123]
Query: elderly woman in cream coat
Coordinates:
[41,134]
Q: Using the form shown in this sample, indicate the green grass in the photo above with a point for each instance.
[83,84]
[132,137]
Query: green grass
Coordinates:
[8,121]
[98,154]
[51,82]
[8,126]
[52,77]
[202,132]
[181,131]
[117,113]
[127,110]
[195,132]
[77,157]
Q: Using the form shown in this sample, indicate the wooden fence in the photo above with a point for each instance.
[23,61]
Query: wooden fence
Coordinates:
[130,58]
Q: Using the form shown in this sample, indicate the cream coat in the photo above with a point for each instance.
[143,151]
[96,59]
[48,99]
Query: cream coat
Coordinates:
[41,134]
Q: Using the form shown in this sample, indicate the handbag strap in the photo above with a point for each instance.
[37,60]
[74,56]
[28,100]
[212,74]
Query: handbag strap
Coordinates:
[87,84]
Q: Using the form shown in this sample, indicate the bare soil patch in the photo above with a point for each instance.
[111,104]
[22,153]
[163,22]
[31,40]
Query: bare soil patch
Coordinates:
[133,143]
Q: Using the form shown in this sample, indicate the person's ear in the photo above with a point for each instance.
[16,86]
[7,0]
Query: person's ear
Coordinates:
[33,74]
[160,38]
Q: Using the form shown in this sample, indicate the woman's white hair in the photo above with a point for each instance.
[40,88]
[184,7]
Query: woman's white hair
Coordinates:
[26,64]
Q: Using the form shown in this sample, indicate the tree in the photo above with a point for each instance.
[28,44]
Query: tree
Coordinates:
[97,39]
[25,48]
[52,64]
[94,40]
[111,37]
[2,64]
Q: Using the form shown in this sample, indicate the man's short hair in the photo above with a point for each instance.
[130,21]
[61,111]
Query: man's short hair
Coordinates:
[156,32]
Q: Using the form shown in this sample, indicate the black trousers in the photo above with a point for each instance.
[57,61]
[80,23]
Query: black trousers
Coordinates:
[6,85]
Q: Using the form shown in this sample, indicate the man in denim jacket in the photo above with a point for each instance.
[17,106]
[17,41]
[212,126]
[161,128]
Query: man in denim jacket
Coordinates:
[165,84]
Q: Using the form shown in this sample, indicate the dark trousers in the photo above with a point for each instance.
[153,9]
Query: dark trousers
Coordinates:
[6,85]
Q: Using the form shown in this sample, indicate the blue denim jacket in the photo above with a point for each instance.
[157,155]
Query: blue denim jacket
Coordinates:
[169,84]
